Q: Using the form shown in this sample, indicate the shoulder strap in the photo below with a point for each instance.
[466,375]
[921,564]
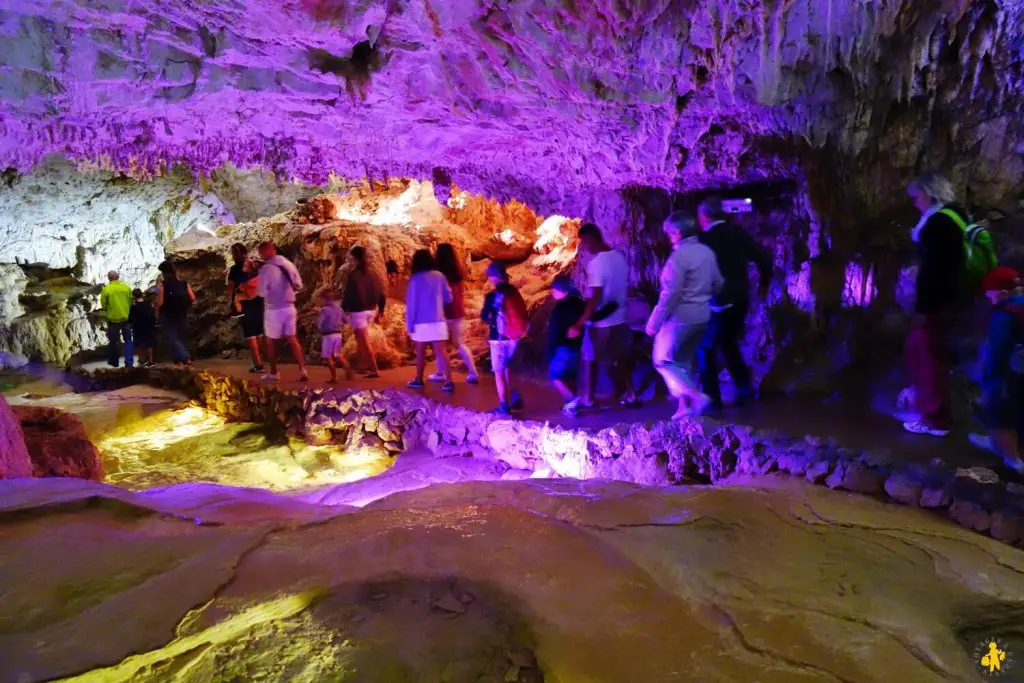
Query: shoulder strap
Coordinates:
[287,275]
[955,217]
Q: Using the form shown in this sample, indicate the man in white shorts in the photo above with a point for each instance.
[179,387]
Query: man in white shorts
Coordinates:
[279,281]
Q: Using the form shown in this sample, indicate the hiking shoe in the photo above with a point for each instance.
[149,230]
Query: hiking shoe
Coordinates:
[472,379]
[923,428]
[448,386]
[416,384]
[256,369]
[270,377]
[516,401]
[436,377]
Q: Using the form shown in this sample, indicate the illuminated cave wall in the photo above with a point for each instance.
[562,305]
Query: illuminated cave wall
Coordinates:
[612,112]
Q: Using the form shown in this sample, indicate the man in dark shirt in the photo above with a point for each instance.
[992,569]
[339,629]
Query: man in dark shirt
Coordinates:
[734,250]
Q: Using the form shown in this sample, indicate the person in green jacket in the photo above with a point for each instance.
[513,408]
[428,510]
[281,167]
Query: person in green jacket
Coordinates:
[116,301]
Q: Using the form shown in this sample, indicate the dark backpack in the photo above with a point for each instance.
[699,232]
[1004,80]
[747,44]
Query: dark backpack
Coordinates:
[176,299]
[979,250]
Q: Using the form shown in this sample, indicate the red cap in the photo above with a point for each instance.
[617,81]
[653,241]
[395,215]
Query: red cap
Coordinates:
[1000,279]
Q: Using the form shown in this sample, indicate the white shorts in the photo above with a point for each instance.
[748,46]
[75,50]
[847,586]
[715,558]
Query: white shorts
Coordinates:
[331,345]
[279,323]
[361,319]
[430,332]
[501,354]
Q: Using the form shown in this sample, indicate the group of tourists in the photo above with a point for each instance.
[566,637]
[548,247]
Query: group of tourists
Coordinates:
[700,313]
[132,317]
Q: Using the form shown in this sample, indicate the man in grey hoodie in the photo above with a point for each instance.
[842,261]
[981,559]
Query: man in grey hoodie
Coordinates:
[678,323]
[279,281]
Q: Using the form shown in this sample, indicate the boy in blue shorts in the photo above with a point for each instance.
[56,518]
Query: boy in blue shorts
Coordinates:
[563,352]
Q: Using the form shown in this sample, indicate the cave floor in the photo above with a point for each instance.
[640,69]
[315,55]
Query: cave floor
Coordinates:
[848,425]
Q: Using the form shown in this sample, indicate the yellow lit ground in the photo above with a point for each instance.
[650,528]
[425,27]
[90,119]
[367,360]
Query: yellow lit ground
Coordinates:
[194,445]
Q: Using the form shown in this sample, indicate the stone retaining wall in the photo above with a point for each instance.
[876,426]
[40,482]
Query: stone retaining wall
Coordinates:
[650,453]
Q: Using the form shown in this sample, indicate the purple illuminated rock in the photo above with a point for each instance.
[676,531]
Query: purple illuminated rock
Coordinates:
[14,459]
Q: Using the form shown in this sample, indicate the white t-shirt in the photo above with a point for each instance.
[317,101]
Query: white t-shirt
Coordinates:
[609,270]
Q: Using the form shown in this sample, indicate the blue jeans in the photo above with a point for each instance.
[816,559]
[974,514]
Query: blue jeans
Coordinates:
[174,333]
[115,333]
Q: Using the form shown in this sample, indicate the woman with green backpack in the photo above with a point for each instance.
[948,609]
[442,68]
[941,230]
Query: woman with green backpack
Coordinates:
[943,282]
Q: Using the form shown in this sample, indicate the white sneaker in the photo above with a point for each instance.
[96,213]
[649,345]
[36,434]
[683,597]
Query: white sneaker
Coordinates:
[270,377]
[436,377]
[922,427]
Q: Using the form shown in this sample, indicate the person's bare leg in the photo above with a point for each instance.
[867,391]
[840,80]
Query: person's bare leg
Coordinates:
[366,348]
[421,360]
[443,366]
[500,383]
[563,389]
[272,355]
[293,342]
[330,368]
[254,350]
[343,362]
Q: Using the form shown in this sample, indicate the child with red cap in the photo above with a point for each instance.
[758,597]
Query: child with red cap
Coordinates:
[1002,374]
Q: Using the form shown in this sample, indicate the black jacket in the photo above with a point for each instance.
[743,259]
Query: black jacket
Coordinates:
[734,249]
[940,271]
[565,314]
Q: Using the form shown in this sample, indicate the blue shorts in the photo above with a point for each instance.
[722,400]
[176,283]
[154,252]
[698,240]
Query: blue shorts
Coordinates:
[564,364]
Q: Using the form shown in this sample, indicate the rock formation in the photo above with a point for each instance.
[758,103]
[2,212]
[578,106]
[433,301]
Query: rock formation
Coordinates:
[391,221]
[58,445]
[495,581]
[14,459]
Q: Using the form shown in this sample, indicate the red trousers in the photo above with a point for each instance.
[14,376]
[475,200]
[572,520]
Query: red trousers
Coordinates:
[928,358]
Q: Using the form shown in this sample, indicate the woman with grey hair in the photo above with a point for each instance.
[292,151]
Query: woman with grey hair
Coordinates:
[678,322]
[939,292]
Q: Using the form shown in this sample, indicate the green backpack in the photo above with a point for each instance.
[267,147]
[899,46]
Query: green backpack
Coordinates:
[979,250]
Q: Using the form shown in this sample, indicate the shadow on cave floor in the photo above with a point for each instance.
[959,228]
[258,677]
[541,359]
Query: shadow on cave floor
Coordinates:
[850,425]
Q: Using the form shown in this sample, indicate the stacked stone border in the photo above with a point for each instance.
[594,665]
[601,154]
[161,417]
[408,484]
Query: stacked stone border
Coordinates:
[653,453]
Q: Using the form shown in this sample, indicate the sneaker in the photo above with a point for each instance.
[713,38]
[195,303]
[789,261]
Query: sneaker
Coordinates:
[516,401]
[983,441]
[436,377]
[256,369]
[700,404]
[448,386]
[503,409]
[332,381]
[113,364]
[472,379]
[372,375]
[905,401]
[571,408]
[270,377]
[744,396]
[416,384]
[922,427]
[303,377]
[1015,465]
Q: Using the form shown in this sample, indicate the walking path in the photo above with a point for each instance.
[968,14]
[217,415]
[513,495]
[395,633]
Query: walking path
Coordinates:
[849,426]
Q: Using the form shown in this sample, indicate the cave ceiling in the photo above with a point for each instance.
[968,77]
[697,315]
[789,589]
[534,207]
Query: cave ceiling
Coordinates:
[554,98]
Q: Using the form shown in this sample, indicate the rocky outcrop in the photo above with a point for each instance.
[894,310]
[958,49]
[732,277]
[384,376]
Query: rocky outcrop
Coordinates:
[495,581]
[14,459]
[391,222]
[58,445]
